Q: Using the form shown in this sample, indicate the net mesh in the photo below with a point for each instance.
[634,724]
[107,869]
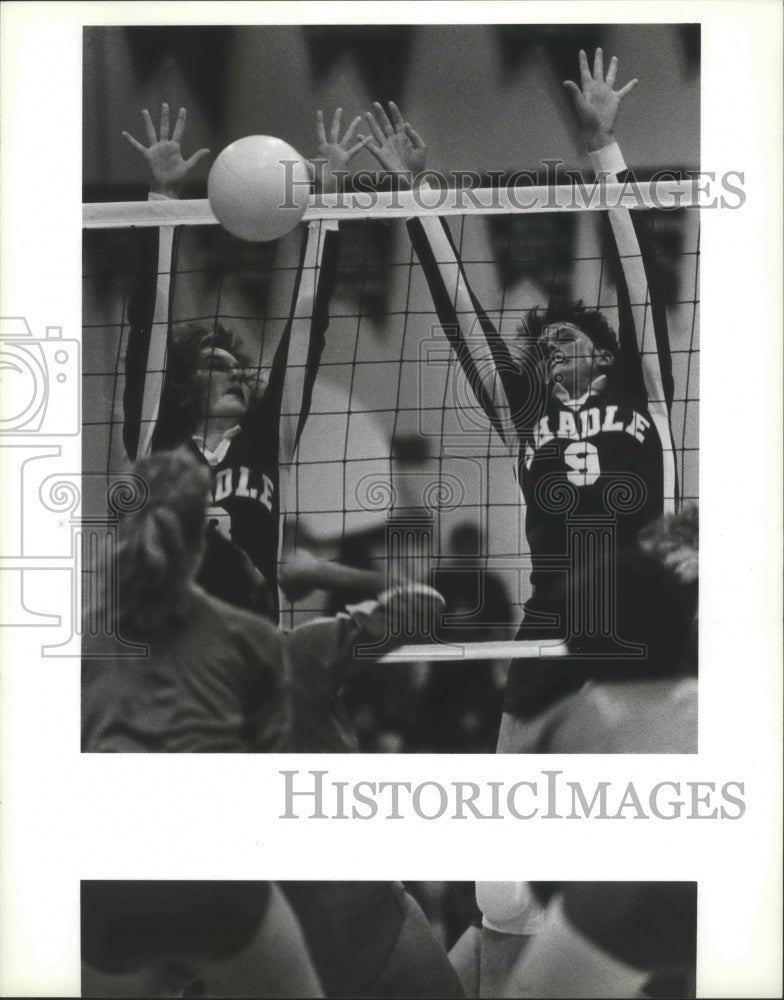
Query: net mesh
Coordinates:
[393,425]
[394,432]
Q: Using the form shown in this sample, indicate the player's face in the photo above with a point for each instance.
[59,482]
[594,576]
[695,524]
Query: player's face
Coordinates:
[572,359]
[224,385]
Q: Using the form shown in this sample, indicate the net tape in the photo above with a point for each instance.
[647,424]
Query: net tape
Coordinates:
[662,194]
[387,205]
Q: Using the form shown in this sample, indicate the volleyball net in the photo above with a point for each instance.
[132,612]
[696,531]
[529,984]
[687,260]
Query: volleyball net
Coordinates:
[394,440]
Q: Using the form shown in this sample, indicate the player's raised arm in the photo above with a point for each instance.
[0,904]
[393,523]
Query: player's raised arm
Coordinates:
[168,168]
[395,144]
[330,164]
[148,309]
[595,101]
[483,355]
[597,104]
[299,352]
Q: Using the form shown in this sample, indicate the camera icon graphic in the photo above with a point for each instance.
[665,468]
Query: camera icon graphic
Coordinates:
[40,377]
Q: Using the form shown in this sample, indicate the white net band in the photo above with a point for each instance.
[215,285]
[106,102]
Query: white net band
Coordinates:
[661,194]
[489,650]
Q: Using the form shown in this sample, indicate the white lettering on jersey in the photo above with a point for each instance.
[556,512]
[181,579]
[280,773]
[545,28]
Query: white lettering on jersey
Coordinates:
[591,424]
[610,423]
[242,484]
[223,488]
[266,495]
[567,427]
[638,426]
[583,461]
[543,434]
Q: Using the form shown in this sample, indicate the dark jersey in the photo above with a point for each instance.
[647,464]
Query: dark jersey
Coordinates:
[246,504]
[586,466]
[606,459]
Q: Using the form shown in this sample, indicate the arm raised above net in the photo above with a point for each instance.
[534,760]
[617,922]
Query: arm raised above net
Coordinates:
[148,309]
[597,105]
[298,355]
[484,357]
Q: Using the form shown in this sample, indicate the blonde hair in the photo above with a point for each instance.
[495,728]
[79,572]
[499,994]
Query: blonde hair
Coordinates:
[160,542]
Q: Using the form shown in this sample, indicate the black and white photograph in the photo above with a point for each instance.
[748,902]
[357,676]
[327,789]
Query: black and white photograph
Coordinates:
[388,939]
[390,411]
[486,424]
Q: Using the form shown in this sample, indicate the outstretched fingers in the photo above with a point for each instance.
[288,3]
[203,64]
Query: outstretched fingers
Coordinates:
[383,119]
[415,138]
[348,138]
[134,142]
[373,125]
[598,65]
[179,125]
[163,135]
[149,127]
[629,86]
[334,132]
[193,160]
[585,72]
[397,119]
[576,92]
[363,141]
[321,132]
[589,79]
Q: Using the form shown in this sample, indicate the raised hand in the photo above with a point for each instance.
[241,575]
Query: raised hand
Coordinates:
[164,154]
[393,142]
[334,153]
[595,100]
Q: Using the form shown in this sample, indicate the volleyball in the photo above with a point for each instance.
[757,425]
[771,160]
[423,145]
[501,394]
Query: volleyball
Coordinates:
[258,188]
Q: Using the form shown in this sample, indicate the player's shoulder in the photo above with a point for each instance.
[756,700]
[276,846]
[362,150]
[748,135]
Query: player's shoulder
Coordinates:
[229,618]
[621,392]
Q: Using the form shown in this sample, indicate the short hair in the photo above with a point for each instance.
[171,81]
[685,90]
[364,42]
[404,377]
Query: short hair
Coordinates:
[590,321]
[183,402]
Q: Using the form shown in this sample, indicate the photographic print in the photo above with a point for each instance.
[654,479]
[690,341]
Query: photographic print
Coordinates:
[388,939]
[485,424]
[363,457]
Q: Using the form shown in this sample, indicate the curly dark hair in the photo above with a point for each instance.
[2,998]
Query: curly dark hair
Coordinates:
[182,402]
[592,323]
